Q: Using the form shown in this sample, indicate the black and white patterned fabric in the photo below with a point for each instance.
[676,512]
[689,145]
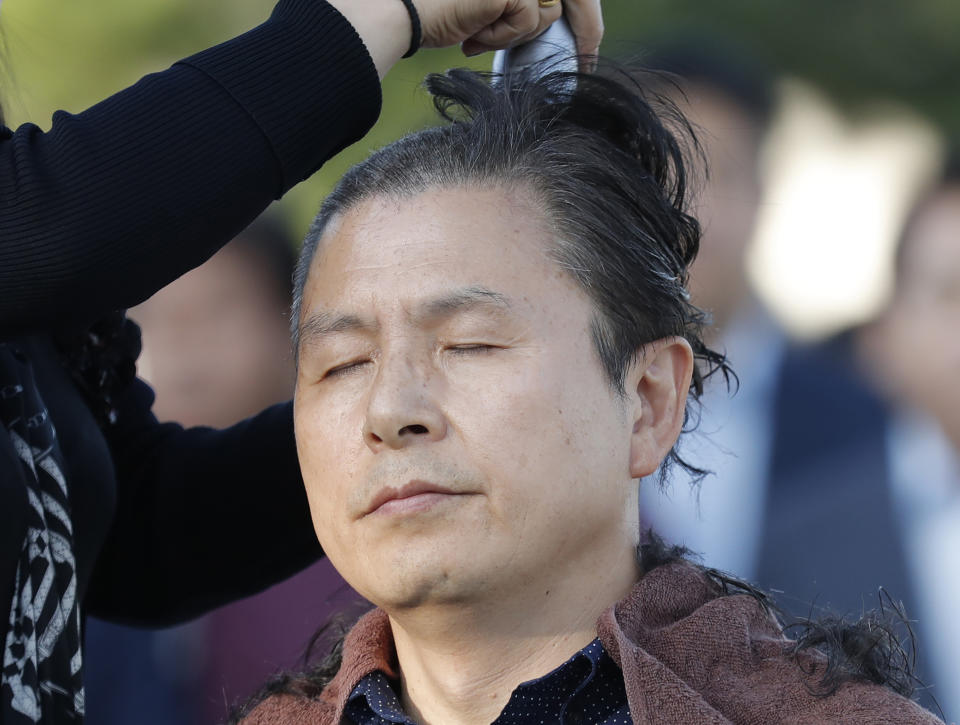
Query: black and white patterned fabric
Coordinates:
[40,680]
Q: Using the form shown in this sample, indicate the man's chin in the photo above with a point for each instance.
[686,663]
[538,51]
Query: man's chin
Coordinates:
[423,587]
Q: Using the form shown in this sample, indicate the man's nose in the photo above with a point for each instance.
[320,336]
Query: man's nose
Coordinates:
[402,408]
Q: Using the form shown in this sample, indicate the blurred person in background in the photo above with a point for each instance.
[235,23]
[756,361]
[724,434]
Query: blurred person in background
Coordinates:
[216,344]
[868,421]
[913,352]
[913,348]
[799,498]
[728,99]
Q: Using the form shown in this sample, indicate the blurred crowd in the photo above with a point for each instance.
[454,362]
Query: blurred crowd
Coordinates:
[834,470]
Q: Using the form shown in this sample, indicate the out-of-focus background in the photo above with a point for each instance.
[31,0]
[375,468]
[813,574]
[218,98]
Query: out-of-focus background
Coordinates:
[864,87]
[827,127]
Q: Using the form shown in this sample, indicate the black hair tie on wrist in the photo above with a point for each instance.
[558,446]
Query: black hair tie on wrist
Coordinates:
[417,33]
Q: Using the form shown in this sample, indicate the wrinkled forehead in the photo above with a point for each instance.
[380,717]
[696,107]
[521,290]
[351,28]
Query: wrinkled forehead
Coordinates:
[390,251]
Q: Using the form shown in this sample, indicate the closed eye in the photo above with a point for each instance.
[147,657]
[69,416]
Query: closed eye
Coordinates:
[472,348]
[345,369]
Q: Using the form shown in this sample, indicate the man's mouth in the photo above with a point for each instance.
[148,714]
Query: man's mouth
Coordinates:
[412,497]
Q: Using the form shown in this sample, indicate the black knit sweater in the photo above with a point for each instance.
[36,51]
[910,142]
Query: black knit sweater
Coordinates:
[99,213]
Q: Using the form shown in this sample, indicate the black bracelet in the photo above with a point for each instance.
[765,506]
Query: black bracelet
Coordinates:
[417,33]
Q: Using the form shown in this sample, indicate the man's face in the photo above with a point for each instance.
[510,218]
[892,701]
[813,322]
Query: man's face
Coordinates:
[214,342]
[455,429]
[728,206]
[922,346]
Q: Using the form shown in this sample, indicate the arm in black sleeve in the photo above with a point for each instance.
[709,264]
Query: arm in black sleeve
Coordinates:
[203,516]
[115,202]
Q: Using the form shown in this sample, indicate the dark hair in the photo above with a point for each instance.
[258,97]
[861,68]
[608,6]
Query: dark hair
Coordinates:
[310,681]
[878,647]
[607,159]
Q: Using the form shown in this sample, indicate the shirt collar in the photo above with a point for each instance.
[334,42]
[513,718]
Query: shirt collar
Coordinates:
[589,677]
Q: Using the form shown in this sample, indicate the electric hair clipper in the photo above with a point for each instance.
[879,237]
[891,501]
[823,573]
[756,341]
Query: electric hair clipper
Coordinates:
[555,49]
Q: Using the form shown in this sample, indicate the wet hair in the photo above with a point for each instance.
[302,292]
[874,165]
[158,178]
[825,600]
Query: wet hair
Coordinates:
[876,648]
[607,160]
[316,672]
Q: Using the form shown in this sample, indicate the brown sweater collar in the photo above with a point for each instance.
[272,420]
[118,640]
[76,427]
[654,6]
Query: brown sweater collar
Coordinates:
[688,654]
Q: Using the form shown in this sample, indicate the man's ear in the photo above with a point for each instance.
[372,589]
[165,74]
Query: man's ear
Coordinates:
[657,385]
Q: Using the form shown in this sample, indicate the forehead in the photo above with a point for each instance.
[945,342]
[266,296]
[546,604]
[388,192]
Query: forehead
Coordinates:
[390,253]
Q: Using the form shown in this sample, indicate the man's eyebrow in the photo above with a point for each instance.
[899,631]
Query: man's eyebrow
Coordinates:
[462,300]
[323,324]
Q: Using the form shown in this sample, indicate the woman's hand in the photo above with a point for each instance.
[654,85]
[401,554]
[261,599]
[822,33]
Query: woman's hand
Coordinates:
[478,25]
[520,21]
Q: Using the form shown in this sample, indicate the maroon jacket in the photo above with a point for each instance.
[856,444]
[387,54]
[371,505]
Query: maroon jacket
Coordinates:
[689,655]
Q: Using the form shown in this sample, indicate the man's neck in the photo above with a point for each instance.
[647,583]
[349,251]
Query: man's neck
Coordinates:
[460,664]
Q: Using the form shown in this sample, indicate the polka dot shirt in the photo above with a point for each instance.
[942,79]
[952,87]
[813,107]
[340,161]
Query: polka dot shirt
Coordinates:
[586,690]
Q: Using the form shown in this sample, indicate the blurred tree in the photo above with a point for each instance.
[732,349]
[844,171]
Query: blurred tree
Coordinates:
[857,50]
